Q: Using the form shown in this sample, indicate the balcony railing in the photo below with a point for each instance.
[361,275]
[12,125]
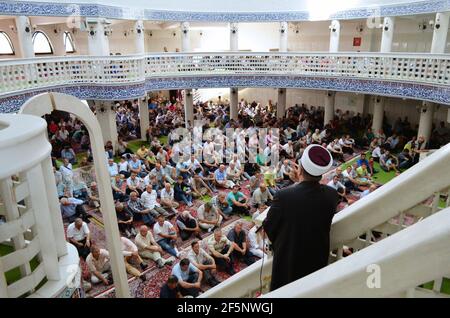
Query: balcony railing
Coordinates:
[20,75]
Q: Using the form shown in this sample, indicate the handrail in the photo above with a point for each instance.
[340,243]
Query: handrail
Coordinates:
[422,252]
[23,74]
[405,195]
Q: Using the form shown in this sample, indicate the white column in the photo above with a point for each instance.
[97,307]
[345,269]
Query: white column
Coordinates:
[106,116]
[234,37]
[98,42]
[185,37]
[440,33]
[426,120]
[58,43]
[143,117]
[234,101]
[335,31]
[188,97]
[378,113]
[329,107]
[54,207]
[284,36]
[387,35]
[25,37]
[188,108]
[281,105]
[38,196]
[140,38]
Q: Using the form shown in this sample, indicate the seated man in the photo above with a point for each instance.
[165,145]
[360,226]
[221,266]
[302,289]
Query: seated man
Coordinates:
[388,162]
[142,152]
[187,226]
[170,288]
[132,258]
[204,262]
[167,198]
[118,188]
[139,211]
[233,173]
[221,178]
[364,176]
[125,220]
[113,168]
[339,187]
[189,278]
[93,197]
[239,238]
[350,178]
[336,150]
[149,201]
[221,204]
[221,249]
[99,266]
[72,208]
[209,179]
[404,159]
[362,160]
[208,217]
[169,172]
[238,201]
[134,183]
[165,235]
[261,196]
[182,192]
[69,154]
[149,249]
[79,235]
[347,146]
[135,166]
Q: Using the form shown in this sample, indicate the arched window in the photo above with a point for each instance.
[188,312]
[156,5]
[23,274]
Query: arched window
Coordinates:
[68,42]
[6,47]
[41,43]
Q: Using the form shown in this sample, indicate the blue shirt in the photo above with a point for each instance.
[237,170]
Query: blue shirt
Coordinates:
[360,162]
[184,276]
[221,176]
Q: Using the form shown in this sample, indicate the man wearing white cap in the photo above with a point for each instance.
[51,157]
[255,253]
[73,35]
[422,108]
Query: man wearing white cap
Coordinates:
[299,220]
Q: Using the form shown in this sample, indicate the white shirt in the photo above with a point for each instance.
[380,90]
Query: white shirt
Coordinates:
[77,234]
[336,185]
[113,169]
[149,199]
[376,152]
[167,195]
[166,228]
[128,247]
[123,166]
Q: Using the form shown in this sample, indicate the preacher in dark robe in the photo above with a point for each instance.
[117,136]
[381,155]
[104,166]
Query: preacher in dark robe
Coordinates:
[299,221]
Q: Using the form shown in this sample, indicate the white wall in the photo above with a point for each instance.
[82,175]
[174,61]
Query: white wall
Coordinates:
[394,107]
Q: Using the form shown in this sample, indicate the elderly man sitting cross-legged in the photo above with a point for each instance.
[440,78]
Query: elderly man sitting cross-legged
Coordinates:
[208,217]
[204,262]
[221,249]
[149,249]
[99,266]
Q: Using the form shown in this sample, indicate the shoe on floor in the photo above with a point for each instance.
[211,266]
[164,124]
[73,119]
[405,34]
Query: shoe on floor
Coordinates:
[144,266]
[143,278]
[169,261]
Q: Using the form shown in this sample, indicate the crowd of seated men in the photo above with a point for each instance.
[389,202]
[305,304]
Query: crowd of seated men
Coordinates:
[149,186]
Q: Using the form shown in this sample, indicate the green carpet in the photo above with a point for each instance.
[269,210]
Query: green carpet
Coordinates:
[14,274]
[381,176]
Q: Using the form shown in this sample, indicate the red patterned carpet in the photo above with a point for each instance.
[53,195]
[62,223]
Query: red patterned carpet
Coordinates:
[156,277]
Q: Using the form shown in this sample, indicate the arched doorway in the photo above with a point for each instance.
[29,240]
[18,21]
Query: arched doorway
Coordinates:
[45,103]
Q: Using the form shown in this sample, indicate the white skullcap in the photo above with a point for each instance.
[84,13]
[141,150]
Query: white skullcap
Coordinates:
[316,160]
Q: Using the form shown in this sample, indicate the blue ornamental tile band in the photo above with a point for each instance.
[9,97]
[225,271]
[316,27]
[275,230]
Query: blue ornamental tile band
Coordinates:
[8,7]
[437,94]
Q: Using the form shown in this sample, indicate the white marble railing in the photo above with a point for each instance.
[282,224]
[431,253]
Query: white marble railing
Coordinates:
[416,194]
[27,74]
